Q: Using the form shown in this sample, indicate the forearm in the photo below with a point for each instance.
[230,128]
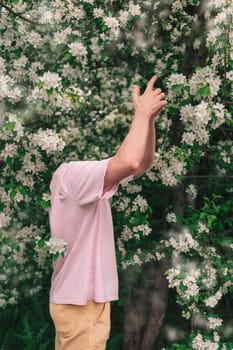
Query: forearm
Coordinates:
[138,147]
[151,146]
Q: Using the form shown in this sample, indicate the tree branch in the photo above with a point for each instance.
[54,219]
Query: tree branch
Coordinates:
[208,176]
[9,9]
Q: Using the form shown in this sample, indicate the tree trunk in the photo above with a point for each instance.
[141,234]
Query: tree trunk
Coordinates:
[144,312]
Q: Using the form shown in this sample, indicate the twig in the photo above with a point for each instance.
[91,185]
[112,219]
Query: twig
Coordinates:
[208,176]
[18,14]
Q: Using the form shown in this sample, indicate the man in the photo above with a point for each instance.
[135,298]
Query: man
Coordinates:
[85,280]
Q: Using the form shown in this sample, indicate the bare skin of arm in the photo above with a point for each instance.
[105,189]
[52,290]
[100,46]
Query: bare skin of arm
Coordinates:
[136,153]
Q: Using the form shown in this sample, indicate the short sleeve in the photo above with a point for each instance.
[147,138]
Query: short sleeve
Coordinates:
[84,181]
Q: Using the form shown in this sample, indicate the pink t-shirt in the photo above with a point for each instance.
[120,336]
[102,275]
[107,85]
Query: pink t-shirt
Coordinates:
[81,215]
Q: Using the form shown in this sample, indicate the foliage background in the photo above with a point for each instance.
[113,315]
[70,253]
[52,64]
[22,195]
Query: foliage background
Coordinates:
[66,69]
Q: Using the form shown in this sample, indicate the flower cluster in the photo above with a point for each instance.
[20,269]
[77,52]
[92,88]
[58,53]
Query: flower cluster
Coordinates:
[171,217]
[56,246]
[200,343]
[169,167]
[197,119]
[49,141]
[181,242]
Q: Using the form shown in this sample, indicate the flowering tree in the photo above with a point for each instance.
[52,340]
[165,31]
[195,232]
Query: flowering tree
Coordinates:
[66,70]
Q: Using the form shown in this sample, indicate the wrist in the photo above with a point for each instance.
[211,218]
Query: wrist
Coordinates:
[140,114]
[144,117]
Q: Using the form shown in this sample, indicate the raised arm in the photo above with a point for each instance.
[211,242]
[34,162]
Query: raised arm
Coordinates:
[136,153]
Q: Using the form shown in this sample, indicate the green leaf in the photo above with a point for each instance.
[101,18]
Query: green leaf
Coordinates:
[176,86]
[100,42]
[55,256]
[41,243]
[104,27]
[45,204]
[5,240]
[10,162]
[10,126]
[229,121]
[65,83]
[210,220]
[13,194]
[49,91]
[204,91]
[23,191]
[40,84]
[203,216]
[67,57]
[182,157]
[179,178]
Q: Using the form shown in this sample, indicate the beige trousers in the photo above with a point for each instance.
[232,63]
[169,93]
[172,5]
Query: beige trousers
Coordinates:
[84,327]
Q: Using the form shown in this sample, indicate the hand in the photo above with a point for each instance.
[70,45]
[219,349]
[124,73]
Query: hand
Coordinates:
[150,102]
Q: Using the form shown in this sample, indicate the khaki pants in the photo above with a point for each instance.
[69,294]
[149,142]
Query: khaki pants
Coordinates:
[84,327]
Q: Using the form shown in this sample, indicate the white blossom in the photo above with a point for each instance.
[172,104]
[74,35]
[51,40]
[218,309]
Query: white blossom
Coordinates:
[169,167]
[202,228]
[10,150]
[202,78]
[174,277]
[189,138]
[126,234]
[46,15]
[2,66]
[98,12]
[5,84]
[132,187]
[219,113]
[113,24]
[213,35]
[171,217]
[56,245]
[177,79]
[139,203]
[46,197]
[190,282]
[4,220]
[145,229]
[196,119]
[137,260]
[50,80]
[229,75]
[35,39]
[199,343]
[134,9]
[182,242]
[214,322]
[213,300]
[123,17]
[48,140]
[191,191]
[77,49]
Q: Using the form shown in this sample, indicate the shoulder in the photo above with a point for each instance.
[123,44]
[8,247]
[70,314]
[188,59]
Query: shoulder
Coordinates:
[87,165]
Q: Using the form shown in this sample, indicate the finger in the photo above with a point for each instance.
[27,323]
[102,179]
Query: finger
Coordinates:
[157,91]
[163,103]
[151,83]
[136,93]
[161,96]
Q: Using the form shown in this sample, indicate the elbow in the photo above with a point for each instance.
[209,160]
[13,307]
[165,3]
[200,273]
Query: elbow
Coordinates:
[139,168]
[134,166]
